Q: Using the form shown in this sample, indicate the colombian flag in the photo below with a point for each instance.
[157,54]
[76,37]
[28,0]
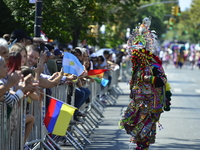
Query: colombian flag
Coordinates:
[98,73]
[58,116]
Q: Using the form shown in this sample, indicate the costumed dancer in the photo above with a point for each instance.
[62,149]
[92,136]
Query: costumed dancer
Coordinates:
[147,86]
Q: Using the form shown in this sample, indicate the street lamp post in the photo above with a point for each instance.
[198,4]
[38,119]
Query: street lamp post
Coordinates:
[38,18]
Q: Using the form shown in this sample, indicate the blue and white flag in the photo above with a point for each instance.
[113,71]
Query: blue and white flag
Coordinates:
[104,82]
[71,64]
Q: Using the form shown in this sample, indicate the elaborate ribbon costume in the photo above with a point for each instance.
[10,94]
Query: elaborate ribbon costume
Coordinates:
[147,87]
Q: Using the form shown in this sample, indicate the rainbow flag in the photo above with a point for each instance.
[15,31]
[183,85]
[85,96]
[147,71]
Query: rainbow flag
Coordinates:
[58,116]
[98,73]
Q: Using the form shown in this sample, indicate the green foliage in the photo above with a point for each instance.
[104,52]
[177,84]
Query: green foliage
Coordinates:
[187,26]
[68,20]
[23,13]
[157,13]
[7,21]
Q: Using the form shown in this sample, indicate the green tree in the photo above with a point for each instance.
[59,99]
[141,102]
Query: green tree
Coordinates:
[7,21]
[194,21]
[69,20]
[187,26]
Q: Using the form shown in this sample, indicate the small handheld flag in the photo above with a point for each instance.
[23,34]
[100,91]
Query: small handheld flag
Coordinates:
[98,73]
[71,64]
[97,80]
[58,116]
[43,36]
[104,82]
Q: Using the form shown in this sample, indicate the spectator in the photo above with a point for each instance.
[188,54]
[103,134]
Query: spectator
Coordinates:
[166,58]
[192,58]
[6,37]
[33,96]
[180,59]
[13,99]
[81,93]
[4,49]
[20,36]
[105,55]
[58,58]
[33,54]
[93,61]
[52,65]
[18,47]
[101,63]
[198,62]
[14,63]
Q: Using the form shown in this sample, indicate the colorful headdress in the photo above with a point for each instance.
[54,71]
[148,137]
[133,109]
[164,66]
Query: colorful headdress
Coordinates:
[142,37]
[141,45]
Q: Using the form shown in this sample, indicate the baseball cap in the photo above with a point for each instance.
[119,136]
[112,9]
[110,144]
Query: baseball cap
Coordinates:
[57,52]
[19,34]
[47,51]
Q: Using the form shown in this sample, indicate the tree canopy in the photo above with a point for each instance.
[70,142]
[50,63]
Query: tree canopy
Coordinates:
[78,20]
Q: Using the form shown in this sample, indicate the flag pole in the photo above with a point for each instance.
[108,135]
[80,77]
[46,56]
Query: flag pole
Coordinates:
[57,99]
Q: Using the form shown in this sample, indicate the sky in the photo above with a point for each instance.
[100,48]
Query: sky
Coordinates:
[184,4]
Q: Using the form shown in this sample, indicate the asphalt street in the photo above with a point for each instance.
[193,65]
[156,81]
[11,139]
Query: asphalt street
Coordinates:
[181,124]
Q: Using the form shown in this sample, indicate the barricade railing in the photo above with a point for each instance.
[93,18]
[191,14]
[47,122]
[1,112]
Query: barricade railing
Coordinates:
[77,134]
[10,138]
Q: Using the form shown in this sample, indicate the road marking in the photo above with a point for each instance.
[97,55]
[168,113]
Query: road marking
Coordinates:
[177,90]
[197,90]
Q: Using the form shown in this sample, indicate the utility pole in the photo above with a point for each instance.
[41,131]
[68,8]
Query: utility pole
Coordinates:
[38,18]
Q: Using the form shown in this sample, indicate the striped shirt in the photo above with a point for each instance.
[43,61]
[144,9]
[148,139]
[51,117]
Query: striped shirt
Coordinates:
[12,99]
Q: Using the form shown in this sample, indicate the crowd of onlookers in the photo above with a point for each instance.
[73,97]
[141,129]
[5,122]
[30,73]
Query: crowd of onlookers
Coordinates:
[29,65]
[180,57]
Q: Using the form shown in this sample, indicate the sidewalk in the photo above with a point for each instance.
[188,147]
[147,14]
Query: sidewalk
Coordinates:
[108,136]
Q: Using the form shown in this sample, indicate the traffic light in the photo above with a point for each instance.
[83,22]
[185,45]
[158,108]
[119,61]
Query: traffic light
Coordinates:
[93,30]
[175,11]
[171,21]
[179,11]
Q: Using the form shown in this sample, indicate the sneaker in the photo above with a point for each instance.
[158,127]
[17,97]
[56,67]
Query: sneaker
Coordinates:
[103,101]
[26,147]
[64,143]
[72,122]
[77,120]
[104,96]
[81,114]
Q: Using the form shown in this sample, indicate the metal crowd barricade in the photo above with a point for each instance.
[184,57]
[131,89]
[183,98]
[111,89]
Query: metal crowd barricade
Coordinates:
[77,134]
[114,88]
[3,126]
[74,135]
[97,106]
[38,137]
[16,140]
[109,92]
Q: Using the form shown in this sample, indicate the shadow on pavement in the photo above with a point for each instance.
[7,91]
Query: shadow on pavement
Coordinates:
[179,146]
